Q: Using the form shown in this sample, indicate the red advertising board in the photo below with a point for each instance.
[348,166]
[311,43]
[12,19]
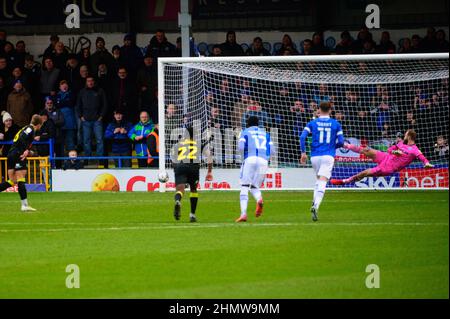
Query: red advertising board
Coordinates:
[424,178]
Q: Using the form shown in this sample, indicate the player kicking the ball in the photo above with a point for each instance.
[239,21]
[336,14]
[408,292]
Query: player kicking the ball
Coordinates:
[17,160]
[187,171]
[327,136]
[256,146]
[397,157]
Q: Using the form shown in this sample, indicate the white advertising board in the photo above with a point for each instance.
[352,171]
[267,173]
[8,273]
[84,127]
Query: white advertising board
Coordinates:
[132,180]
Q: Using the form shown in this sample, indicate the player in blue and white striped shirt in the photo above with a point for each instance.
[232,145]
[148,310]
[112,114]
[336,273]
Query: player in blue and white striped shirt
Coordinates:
[256,147]
[327,136]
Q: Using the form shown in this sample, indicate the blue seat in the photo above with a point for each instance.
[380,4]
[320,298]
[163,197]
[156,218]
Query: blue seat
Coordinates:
[203,47]
[330,42]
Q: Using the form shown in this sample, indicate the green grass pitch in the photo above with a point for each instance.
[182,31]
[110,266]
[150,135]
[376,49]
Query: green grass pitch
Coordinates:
[127,245]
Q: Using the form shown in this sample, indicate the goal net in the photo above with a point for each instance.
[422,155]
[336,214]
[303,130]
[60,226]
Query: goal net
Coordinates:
[376,98]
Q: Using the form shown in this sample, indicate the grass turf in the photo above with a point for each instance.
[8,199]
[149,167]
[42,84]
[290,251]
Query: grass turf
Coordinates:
[127,245]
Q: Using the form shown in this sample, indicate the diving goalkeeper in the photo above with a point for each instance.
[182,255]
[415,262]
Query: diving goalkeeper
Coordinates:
[397,157]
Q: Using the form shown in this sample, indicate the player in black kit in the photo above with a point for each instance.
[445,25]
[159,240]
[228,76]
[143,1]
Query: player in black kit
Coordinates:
[187,171]
[17,160]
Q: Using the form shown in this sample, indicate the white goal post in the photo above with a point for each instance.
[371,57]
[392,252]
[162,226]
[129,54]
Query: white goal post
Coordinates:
[376,98]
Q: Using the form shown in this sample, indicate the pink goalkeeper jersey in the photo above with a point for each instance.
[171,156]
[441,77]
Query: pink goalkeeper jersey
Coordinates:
[409,154]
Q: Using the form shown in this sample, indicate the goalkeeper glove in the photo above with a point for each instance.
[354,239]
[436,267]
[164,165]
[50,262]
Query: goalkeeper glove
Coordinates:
[429,165]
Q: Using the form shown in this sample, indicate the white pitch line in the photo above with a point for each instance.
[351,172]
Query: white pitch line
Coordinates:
[217,225]
[151,200]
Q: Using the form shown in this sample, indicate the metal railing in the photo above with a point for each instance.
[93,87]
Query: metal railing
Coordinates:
[38,166]
[38,170]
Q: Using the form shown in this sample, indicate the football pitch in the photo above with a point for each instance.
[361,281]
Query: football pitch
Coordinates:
[128,245]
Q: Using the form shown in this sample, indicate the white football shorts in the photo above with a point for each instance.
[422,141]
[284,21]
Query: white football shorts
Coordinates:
[253,171]
[323,165]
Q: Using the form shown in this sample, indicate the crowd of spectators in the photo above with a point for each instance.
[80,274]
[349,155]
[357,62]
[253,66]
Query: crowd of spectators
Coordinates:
[107,101]
[364,43]
[374,114]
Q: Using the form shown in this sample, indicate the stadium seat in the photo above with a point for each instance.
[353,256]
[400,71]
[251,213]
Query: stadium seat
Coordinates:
[276,47]
[203,47]
[267,46]
[245,47]
[330,42]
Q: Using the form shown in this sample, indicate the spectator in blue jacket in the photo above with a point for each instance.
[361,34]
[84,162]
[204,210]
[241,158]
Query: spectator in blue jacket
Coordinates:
[117,131]
[138,135]
[65,102]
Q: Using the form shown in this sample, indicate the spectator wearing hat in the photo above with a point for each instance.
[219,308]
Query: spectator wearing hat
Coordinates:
[65,103]
[147,82]
[8,130]
[117,133]
[19,104]
[159,46]
[101,55]
[131,55]
[71,70]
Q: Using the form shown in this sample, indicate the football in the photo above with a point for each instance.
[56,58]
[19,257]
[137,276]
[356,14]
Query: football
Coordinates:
[163,177]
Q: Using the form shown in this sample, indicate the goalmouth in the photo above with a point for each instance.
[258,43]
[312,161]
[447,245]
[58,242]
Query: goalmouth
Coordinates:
[376,98]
